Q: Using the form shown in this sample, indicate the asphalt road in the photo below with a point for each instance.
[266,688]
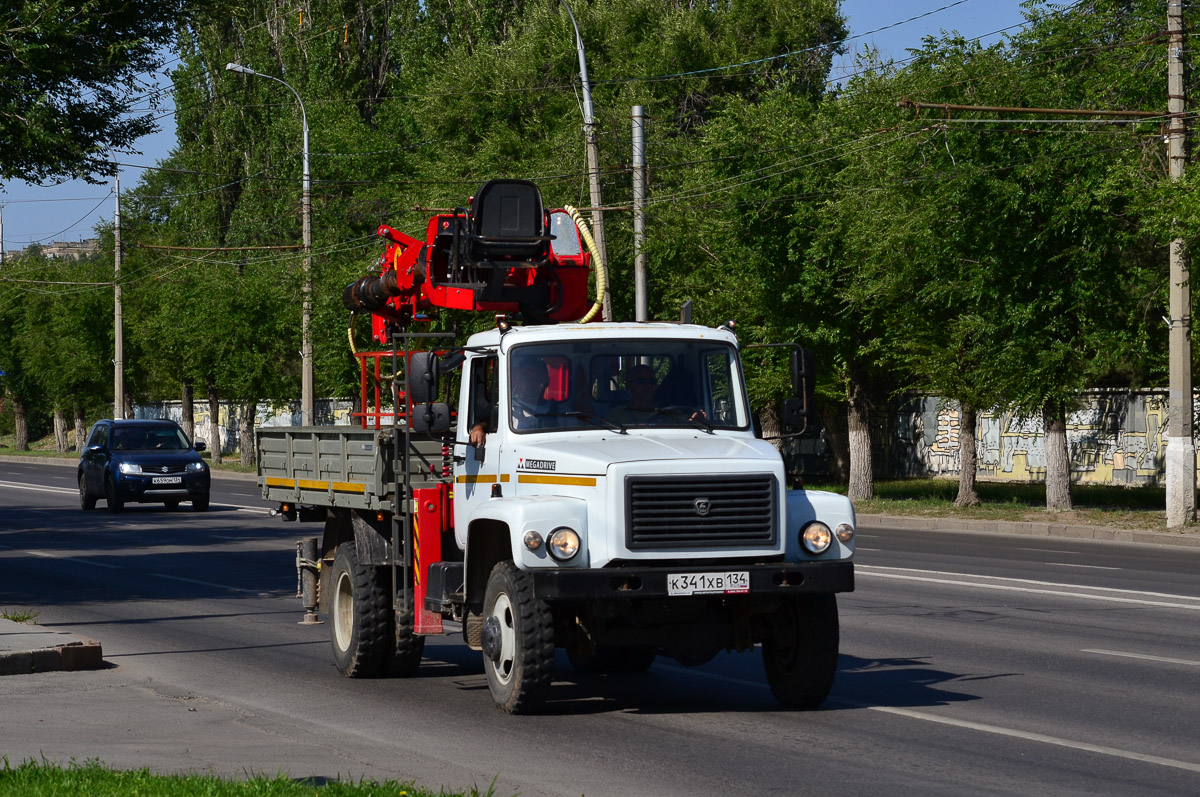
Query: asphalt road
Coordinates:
[971,663]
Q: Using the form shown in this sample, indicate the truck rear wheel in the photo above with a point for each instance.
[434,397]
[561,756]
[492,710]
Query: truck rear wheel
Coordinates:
[518,641]
[800,653]
[407,648]
[359,611]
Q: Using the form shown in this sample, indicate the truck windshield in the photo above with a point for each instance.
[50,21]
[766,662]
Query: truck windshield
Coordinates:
[623,384]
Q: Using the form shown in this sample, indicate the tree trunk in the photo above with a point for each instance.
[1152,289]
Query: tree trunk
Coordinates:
[968,456]
[833,418]
[80,428]
[1058,463]
[61,445]
[214,428]
[20,425]
[187,410]
[246,432]
[858,418]
[769,419]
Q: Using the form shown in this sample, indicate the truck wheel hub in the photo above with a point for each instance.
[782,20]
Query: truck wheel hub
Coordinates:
[491,639]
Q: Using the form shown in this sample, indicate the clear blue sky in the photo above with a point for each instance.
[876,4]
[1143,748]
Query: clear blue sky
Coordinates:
[68,212]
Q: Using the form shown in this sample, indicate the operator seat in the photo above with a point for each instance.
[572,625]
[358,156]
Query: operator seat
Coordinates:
[507,223]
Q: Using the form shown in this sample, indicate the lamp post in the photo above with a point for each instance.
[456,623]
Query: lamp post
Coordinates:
[307,402]
[593,159]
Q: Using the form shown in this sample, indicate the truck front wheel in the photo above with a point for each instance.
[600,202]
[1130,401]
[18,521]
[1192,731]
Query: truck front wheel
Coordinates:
[518,641]
[800,652]
[359,611]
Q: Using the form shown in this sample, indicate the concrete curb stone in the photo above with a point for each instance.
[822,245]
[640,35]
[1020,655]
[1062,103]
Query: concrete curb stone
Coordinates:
[29,649]
[1032,528]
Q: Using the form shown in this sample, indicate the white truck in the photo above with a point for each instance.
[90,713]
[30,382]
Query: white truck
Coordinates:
[570,514]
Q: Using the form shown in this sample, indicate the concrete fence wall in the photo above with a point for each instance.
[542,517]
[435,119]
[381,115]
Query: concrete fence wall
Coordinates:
[329,412]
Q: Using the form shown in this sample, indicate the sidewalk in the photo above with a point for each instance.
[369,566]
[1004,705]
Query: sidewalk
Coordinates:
[29,648]
[1189,538]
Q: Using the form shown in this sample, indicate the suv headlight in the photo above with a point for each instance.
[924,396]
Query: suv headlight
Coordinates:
[130,468]
[196,467]
[563,543]
[816,537]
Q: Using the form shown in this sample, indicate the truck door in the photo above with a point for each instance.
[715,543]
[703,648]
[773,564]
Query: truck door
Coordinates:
[476,467]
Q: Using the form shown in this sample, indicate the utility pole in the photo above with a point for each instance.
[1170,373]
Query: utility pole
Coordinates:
[118,321]
[1,235]
[593,160]
[642,311]
[1181,443]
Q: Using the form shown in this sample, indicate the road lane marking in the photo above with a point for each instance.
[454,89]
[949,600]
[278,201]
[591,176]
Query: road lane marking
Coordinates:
[47,555]
[209,584]
[1059,589]
[40,488]
[1090,567]
[1145,656]
[966,724]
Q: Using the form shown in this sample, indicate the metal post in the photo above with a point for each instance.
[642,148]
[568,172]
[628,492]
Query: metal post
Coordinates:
[307,399]
[307,567]
[641,304]
[118,317]
[1181,444]
[593,162]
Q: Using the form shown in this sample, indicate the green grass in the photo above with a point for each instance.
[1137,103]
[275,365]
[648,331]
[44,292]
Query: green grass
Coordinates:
[19,615]
[45,449]
[1124,507]
[92,779]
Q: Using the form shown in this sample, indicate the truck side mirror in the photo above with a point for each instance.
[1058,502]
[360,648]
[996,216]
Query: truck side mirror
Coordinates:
[422,377]
[430,417]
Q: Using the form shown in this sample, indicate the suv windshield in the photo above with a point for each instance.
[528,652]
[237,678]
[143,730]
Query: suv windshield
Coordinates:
[148,438]
[622,384]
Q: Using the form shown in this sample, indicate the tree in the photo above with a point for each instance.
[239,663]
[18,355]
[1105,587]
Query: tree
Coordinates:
[71,71]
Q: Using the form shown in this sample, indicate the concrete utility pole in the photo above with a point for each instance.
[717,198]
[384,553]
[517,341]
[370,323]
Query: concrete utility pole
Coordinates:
[307,398]
[593,160]
[118,320]
[1181,443]
[639,214]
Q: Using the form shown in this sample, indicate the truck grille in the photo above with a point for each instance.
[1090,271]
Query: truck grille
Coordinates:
[700,511]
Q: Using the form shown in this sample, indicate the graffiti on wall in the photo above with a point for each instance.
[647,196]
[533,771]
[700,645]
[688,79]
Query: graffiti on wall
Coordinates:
[329,413]
[1113,438]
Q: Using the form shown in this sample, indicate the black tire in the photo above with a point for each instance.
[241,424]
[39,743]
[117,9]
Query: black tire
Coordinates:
[636,658]
[198,504]
[801,652]
[518,641]
[115,502]
[359,616]
[172,503]
[87,501]
[404,655]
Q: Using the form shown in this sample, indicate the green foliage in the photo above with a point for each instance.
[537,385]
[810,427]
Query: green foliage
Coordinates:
[72,92]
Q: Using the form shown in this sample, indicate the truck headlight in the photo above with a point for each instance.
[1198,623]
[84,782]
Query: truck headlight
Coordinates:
[844,532]
[816,537]
[129,468]
[563,543]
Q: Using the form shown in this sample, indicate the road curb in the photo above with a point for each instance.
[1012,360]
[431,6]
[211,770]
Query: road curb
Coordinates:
[1031,528]
[74,463]
[28,649]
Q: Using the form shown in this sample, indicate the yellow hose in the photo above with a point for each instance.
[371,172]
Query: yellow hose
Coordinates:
[601,268]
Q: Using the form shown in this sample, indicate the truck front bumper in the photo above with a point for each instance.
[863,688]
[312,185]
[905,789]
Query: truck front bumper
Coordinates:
[651,582]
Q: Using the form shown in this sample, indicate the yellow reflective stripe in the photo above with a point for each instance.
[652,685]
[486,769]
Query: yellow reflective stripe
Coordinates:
[504,477]
[574,481]
[478,478]
[309,484]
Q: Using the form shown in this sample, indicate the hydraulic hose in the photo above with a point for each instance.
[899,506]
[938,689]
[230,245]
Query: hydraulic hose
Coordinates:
[601,266]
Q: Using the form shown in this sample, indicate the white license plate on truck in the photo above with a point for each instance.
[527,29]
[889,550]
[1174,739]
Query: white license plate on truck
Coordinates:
[729,583]
[167,480]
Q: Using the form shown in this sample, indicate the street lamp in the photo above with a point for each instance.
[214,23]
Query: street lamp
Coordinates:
[307,403]
[593,158]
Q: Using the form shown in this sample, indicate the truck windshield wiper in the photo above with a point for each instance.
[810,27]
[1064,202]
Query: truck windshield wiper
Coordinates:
[597,420]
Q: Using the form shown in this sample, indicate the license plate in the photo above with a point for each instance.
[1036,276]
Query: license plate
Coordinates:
[166,480]
[730,583]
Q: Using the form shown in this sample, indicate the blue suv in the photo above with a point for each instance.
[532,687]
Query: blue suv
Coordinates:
[142,462]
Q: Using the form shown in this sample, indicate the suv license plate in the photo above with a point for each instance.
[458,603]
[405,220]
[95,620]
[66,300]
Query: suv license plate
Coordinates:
[730,583]
[166,480]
